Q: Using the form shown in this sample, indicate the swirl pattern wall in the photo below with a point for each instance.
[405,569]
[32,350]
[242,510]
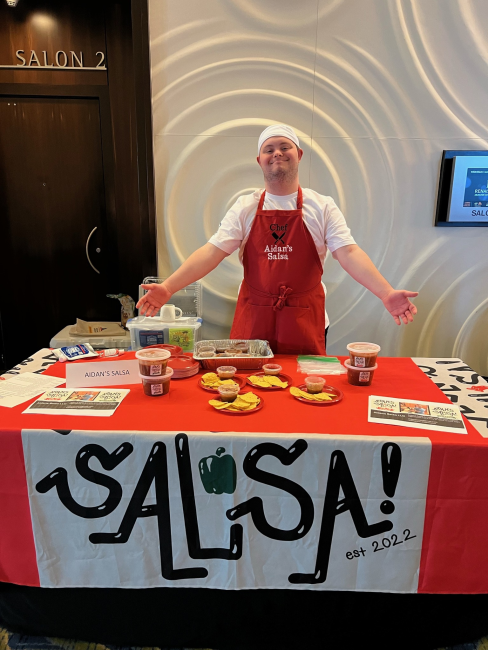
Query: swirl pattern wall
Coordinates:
[375,89]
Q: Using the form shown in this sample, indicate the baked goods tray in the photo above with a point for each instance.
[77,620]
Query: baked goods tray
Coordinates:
[259,350]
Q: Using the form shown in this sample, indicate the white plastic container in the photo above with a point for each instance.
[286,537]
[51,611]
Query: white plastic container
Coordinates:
[146,331]
[63,339]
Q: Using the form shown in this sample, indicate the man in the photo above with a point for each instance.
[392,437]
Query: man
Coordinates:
[283,234]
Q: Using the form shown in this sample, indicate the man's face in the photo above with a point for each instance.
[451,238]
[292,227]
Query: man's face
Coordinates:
[279,158]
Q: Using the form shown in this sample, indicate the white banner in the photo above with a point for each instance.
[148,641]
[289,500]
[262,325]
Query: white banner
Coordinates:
[227,511]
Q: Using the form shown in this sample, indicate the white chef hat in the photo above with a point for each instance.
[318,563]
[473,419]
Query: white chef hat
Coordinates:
[277,130]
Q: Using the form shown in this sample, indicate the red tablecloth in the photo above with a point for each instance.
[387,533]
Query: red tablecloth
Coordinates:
[454,558]
[187,406]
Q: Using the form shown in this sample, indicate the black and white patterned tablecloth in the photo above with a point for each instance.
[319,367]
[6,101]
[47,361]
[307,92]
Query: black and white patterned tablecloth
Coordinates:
[37,363]
[462,385]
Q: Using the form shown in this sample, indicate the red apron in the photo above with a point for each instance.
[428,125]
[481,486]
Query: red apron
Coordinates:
[281,298]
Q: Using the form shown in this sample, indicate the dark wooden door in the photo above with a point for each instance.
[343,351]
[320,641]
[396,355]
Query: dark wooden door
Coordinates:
[51,198]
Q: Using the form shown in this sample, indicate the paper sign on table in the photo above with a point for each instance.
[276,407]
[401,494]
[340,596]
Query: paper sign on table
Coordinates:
[19,389]
[436,416]
[103,373]
[69,401]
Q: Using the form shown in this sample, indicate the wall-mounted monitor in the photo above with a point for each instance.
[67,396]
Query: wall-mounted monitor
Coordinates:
[462,198]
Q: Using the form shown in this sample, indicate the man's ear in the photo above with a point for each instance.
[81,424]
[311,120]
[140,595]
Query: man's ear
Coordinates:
[300,154]
[259,163]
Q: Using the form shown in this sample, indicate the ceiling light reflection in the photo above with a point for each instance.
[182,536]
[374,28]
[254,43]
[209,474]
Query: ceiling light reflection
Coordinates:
[43,21]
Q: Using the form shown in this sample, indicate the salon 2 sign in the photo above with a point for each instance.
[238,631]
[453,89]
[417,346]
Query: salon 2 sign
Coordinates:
[59,60]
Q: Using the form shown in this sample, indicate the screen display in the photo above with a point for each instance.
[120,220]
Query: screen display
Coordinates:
[476,189]
[469,189]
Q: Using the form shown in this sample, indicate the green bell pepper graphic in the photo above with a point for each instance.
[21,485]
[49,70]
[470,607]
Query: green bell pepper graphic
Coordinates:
[218,473]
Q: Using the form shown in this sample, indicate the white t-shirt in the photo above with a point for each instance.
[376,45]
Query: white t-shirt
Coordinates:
[321,215]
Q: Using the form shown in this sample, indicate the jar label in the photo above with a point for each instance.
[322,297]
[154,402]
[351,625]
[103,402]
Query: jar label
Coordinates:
[364,376]
[155,369]
[156,389]
[360,362]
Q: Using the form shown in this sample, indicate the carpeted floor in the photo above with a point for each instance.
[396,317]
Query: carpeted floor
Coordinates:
[14,641]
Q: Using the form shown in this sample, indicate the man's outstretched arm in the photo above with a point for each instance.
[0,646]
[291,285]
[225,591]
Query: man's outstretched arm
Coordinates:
[359,266]
[201,262]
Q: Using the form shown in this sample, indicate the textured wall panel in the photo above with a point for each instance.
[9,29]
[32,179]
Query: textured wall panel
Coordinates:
[376,89]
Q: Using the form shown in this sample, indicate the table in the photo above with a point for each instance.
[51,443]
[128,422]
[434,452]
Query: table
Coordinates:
[272,542]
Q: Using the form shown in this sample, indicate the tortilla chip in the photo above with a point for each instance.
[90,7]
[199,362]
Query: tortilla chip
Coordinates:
[251,398]
[240,407]
[209,377]
[240,404]
[244,402]
[265,381]
[211,380]
[275,381]
[323,397]
[258,381]
[317,397]
[216,403]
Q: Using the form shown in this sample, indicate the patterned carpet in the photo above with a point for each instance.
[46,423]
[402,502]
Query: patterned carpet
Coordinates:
[13,641]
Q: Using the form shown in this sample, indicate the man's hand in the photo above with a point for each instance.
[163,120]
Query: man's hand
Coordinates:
[398,304]
[157,295]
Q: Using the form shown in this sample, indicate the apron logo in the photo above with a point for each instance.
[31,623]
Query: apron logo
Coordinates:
[276,229]
[278,252]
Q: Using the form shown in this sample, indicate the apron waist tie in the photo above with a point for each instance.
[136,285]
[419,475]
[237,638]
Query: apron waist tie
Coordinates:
[281,302]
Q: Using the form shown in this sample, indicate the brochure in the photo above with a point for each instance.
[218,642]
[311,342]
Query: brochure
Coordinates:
[415,413]
[77,401]
[18,389]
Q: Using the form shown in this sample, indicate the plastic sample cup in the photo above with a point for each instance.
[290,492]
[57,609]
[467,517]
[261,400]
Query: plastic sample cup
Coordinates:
[314,384]
[206,354]
[206,348]
[359,376]
[271,369]
[153,362]
[362,354]
[242,347]
[232,351]
[157,386]
[229,392]
[226,372]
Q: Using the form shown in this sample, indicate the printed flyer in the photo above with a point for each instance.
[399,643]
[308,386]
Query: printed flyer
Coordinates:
[73,401]
[415,413]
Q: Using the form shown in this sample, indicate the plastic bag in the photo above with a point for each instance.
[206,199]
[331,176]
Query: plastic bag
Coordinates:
[317,365]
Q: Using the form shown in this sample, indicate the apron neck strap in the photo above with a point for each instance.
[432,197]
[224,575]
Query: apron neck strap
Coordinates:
[299,199]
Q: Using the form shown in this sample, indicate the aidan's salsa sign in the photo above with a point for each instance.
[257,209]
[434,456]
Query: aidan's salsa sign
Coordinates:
[227,511]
